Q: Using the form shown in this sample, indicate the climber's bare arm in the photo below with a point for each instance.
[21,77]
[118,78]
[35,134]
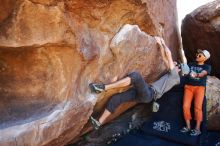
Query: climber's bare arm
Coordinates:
[162,51]
[169,57]
[183,57]
[168,54]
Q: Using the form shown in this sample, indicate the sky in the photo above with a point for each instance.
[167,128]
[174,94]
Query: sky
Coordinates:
[185,7]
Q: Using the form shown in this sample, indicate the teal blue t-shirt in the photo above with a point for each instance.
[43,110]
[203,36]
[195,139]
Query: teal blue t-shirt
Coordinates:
[198,69]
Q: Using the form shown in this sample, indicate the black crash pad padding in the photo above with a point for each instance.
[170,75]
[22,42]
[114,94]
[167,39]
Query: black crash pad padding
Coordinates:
[141,139]
[212,139]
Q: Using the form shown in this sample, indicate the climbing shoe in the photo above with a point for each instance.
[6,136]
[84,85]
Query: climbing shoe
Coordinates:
[95,123]
[97,88]
[185,130]
[195,132]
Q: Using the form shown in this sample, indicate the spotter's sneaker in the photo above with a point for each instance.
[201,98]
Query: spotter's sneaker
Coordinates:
[195,132]
[97,88]
[94,123]
[185,130]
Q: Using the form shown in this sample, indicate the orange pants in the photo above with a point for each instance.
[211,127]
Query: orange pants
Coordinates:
[198,93]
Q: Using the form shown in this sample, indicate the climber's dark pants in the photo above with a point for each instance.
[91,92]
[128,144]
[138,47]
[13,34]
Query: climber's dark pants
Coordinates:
[141,92]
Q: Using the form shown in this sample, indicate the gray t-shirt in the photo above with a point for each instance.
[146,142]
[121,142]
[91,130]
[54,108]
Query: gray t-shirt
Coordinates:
[166,82]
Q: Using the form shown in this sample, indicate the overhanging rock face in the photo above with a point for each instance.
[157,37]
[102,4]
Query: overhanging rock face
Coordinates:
[50,51]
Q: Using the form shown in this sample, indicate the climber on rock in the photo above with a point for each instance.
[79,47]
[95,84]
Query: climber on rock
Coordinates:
[140,91]
[195,88]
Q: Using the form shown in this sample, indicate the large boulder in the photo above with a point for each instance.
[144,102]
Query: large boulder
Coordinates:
[201,30]
[51,50]
[213,103]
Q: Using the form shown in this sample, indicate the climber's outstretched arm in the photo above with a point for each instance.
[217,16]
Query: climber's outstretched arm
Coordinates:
[183,57]
[168,54]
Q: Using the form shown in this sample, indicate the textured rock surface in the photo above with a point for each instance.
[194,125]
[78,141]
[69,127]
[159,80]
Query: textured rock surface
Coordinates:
[201,30]
[213,103]
[6,9]
[50,51]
